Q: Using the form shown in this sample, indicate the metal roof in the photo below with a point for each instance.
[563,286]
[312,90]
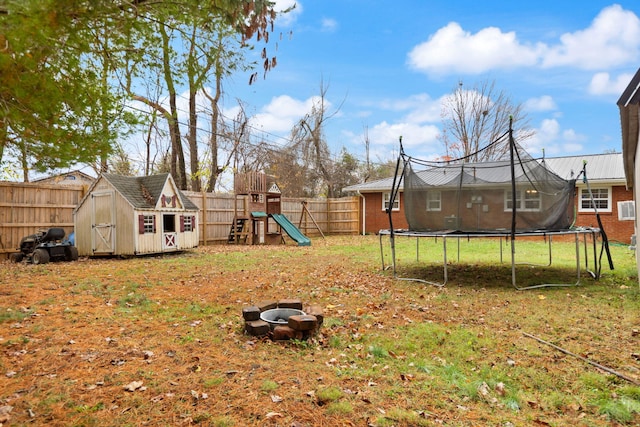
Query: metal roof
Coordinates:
[600,168]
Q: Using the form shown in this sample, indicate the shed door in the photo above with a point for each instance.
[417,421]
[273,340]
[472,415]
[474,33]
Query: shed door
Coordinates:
[103,227]
[169,235]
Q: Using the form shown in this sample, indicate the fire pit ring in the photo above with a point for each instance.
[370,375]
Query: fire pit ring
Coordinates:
[279,316]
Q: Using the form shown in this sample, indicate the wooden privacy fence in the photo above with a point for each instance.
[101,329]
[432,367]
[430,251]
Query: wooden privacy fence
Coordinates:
[28,207]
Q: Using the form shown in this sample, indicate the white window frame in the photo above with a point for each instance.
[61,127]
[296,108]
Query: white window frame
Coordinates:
[434,201]
[523,196]
[187,223]
[584,197]
[385,202]
[149,224]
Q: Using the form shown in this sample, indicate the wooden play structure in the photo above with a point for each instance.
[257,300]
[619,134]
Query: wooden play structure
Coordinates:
[261,220]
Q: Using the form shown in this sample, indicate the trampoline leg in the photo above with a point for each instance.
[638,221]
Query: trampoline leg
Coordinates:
[381,251]
[444,250]
[578,257]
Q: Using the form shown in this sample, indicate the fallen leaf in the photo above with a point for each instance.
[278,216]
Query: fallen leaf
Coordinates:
[4,413]
[273,414]
[133,386]
[275,398]
[483,389]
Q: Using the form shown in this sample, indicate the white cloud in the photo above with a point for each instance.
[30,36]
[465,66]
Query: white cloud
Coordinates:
[329,25]
[601,84]
[421,108]
[542,103]
[550,137]
[285,19]
[451,49]
[281,114]
[415,136]
[612,39]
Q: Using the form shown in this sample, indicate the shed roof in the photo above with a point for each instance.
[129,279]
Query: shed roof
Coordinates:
[600,168]
[143,192]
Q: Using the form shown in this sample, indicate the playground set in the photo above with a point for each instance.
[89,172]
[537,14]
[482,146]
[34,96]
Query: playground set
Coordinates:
[261,221]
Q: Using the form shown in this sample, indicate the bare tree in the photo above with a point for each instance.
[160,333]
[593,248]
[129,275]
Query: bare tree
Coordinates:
[474,118]
[228,139]
[308,138]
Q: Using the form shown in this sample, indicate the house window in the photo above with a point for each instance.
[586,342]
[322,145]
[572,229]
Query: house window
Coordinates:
[601,200]
[385,202]
[526,200]
[531,200]
[434,201]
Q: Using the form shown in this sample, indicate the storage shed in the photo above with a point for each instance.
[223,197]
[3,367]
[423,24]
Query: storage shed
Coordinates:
[123,215]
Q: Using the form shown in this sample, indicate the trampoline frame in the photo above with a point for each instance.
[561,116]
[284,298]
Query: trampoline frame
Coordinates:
[582,232]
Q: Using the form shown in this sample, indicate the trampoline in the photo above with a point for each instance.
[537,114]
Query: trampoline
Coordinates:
[584,237]
[499,192]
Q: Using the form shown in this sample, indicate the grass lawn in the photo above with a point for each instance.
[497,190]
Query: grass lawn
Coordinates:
[159,340]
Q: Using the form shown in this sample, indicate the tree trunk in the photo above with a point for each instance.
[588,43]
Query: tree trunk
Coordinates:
[3,138]
[213,139]
[178,169]
[23,161]
[192,138]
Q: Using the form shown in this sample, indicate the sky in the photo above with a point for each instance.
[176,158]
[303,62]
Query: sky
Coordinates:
[387,66]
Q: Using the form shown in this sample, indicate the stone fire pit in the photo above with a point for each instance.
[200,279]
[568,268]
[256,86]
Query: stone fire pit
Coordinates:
[282,320]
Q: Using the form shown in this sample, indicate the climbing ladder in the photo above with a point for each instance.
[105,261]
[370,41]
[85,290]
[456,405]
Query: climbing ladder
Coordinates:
[239,230]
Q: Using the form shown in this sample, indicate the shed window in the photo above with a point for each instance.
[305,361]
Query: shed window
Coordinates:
[147,224]
[187,223]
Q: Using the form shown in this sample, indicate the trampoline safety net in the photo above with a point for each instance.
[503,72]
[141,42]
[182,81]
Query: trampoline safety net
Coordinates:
[473,195]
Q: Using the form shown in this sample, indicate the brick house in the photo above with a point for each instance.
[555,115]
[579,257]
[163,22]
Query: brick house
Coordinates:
[605,173]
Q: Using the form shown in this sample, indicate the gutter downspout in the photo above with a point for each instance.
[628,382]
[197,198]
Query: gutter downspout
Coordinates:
[364,212]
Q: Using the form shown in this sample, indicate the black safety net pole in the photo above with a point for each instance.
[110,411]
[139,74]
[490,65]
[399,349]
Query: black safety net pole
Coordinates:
[605,240]
[395,188]
[513,201]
